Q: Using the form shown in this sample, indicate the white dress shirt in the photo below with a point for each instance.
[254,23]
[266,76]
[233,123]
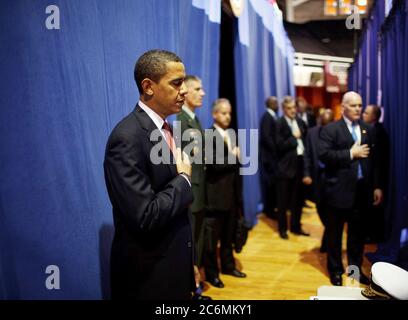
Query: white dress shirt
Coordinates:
[293,125]
[224,135]
[303,116]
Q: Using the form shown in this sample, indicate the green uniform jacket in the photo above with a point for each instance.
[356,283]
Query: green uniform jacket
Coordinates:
[198,174]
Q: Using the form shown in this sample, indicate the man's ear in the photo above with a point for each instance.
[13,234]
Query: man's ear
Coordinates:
[147,85]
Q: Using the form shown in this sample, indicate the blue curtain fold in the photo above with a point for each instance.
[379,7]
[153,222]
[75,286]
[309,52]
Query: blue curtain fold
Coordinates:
[263,57]
[61,93]
[389,41]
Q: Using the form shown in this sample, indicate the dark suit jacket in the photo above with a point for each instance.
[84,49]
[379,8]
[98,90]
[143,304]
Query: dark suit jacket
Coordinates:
[286,145]
[341,172]
[311,161]
[383,148]
[223,184]
[267,151]
[311,120]
[152,252]
[198,170]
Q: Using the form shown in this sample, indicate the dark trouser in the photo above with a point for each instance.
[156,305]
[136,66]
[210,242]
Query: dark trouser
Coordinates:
[290,197]
[321,205]
[322,211]
[219,225]
[268,189]
[355,232]
[198,234]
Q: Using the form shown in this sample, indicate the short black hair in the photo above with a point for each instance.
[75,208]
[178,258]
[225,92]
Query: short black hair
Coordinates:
[271,101]
[152,65]
[376,110]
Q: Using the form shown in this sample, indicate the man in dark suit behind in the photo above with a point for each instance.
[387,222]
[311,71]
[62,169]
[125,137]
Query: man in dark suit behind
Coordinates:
[192,143]
[303,112]
[313,171]
[224,195]
[347,149]
[290,135]
[152,251]
[376,224]
[267,155]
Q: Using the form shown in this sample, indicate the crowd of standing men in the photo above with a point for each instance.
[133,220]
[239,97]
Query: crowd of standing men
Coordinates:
[343,165]
[170,215]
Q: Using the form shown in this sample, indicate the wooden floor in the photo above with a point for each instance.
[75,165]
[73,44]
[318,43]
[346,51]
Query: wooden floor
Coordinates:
[280,269]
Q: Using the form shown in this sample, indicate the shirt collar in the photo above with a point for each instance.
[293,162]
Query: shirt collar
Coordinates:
[289,120]
[349,123]
[158,121]
[271,112]
[220,130]
[188,111]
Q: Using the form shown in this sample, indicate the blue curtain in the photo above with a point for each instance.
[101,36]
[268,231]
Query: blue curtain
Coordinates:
[263,58]
[61,93]
[395,100]
[386,84]
[364,74]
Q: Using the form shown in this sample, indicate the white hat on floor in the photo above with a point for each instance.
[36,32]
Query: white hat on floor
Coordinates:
[388,281]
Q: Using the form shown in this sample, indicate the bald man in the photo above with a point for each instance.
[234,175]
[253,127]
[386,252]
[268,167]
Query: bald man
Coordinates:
[352,184]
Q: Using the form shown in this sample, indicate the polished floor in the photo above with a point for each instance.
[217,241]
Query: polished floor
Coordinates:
[281,269]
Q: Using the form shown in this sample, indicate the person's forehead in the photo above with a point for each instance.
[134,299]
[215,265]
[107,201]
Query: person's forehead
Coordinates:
[193,84]
[175,70]
[354,100]
[224,107]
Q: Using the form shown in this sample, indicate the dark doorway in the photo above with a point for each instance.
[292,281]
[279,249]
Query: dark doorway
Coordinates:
[226,87]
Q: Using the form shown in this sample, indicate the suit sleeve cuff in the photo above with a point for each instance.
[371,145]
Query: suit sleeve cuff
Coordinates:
[187,177]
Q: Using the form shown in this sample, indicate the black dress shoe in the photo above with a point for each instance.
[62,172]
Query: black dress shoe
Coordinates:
[336,279]
[236,273]
[201,297]
[216,282]
[301,233]
[283,235]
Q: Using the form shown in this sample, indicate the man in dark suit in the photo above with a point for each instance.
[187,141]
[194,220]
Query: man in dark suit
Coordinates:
[267,155]
[290,135]
[152,249]
[303,112]
[376,223]
[313,171]
[352,183]
[223,190]
[192,143]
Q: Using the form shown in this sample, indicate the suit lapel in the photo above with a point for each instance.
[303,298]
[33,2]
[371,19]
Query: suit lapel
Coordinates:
[148,125]
[286,126]
[346,132]
[363,132]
